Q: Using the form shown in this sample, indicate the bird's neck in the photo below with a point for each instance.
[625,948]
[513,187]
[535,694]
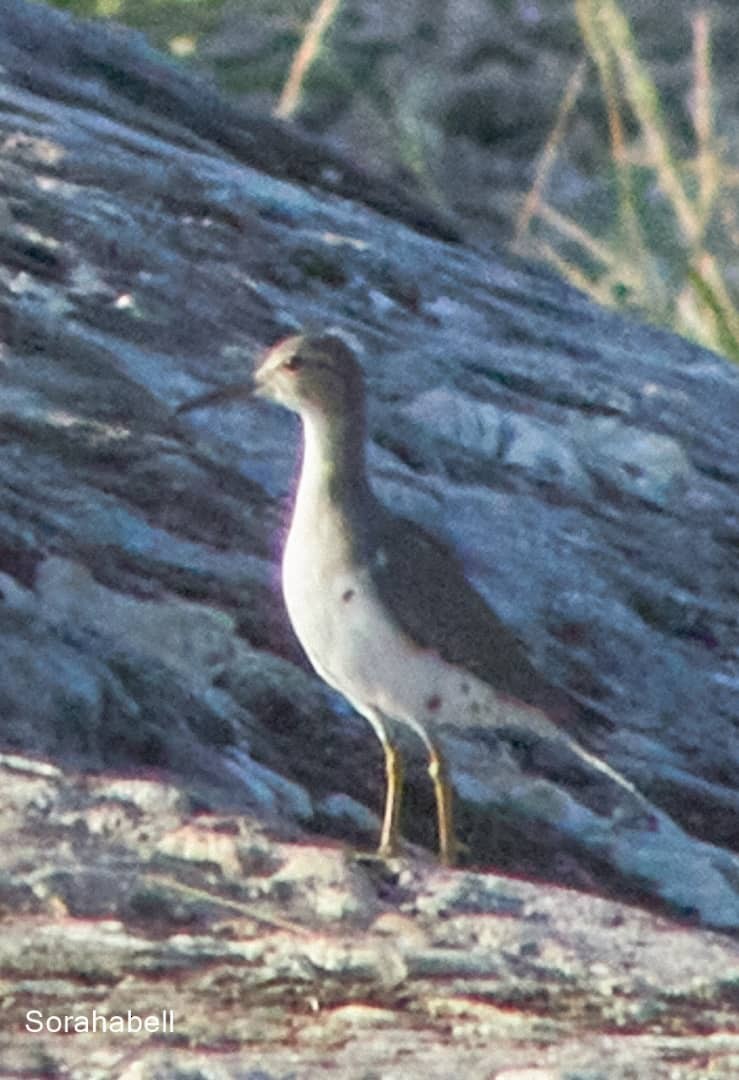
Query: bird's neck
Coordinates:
[334,471]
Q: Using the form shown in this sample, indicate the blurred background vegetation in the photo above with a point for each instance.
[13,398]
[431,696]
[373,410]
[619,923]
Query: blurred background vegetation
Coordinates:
[598,135]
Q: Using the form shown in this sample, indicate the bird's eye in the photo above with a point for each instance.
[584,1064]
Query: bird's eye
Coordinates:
[294,362]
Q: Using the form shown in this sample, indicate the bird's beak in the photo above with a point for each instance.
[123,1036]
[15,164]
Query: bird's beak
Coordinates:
[235,392]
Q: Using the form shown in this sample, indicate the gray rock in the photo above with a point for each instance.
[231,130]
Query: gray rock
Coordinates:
[153,240]
[285,958]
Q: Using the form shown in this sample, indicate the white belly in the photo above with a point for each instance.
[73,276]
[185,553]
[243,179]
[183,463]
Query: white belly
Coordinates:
[357,647]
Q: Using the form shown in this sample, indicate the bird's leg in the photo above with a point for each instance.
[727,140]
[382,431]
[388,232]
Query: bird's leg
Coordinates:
[389,837]
[444,805]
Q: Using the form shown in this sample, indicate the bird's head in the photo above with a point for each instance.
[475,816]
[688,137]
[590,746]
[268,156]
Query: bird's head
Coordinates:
[308,373]
[312,374]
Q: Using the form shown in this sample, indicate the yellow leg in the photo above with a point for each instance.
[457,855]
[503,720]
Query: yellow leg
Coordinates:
[390,836]
[444,807]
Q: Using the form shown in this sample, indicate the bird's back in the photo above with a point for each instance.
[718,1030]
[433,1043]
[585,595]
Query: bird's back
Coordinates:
[423,585]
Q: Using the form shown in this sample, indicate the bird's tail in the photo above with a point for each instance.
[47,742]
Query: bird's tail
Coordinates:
[605,768]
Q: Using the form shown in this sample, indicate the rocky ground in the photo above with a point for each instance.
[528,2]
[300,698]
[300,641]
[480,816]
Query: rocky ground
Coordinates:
[170,760]
[286,958]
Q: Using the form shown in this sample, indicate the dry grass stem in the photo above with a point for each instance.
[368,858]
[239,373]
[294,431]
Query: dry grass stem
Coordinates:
[641,93]
[687,290]
[533,201]
[307,52]
[708,165]
[572,231]
[596,42]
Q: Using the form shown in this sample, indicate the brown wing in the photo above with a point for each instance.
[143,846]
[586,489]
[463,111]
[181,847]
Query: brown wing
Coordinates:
[423,584]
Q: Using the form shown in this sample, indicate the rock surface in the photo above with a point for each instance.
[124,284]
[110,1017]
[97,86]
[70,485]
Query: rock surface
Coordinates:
[151,242]
[284,958]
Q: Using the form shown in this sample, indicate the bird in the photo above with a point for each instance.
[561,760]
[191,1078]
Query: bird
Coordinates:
[382,607]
